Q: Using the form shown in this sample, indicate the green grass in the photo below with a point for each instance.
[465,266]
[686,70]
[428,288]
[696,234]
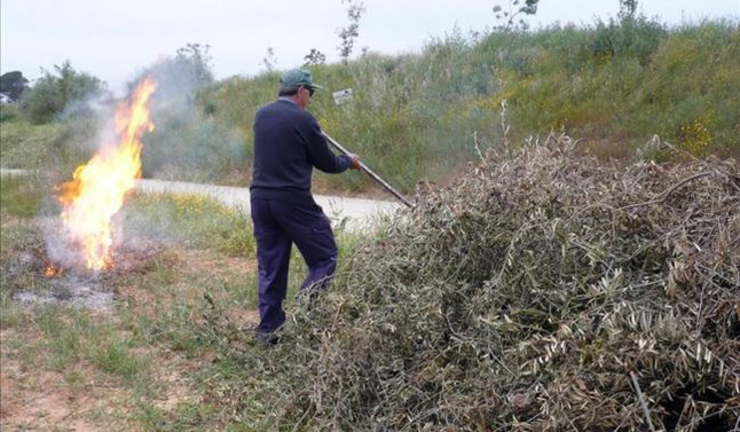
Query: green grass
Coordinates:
[57,148]
[195,221]
[115,358]
[20,196]
[9,112]
[173,314]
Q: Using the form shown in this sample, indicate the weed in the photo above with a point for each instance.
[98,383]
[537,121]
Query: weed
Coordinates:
[58,148]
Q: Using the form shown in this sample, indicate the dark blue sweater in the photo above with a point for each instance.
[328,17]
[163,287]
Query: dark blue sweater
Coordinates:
[288,143]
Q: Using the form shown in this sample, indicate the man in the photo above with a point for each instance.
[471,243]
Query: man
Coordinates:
[288,144]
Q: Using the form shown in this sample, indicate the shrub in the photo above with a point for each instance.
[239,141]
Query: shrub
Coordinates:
[630,36]
[52,94]
[186,145]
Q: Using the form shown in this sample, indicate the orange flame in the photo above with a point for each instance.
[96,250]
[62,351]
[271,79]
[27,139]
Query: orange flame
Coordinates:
[98,188]
[52,271]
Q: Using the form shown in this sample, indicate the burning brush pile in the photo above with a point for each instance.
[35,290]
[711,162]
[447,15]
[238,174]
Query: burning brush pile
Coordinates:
[82,242]
[542,292]
[97,191]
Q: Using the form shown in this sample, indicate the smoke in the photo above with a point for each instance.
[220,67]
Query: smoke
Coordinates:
[187,144]
[62,248]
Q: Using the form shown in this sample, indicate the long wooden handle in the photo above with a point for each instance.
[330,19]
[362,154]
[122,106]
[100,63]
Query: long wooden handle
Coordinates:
[370,172]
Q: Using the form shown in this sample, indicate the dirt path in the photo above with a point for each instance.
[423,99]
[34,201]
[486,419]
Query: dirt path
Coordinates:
[359,213]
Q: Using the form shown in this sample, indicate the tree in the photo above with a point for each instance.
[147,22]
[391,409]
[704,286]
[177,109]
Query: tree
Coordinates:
[627,8]
[12,85]
[52,93]
[514,9]
[196,59]
[270,60]
[349,34]
[315,57]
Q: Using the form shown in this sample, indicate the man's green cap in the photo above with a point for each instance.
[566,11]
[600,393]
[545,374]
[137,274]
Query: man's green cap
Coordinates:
[297,78]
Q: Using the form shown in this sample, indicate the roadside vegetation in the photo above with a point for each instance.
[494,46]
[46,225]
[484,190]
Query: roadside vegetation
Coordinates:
[614,84]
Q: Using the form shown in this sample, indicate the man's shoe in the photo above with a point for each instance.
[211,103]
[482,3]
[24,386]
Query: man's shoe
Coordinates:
[267,339]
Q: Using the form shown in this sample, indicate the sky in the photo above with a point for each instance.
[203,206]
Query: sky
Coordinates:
[113,40]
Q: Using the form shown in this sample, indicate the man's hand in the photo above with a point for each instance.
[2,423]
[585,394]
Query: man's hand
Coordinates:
[355,165]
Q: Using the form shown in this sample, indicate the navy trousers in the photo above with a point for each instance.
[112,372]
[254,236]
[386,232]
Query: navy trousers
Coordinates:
[277,225]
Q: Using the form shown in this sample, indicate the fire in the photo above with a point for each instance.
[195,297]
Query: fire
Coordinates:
[99,187]
[52,271]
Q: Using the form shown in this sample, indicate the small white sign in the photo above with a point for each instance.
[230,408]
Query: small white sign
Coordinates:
[342,96]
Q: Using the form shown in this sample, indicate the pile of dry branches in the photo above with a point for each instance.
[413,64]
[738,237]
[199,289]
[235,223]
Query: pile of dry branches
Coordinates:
[541,292]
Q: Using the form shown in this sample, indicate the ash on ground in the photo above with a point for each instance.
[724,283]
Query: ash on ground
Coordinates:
[81,288]
[72,290]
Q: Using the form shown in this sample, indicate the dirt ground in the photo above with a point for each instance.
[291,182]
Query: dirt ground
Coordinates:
[37,398]
[42,400]
[32,401]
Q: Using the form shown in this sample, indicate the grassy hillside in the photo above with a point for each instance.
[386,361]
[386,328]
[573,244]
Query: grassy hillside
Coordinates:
[613,84]
[55,147]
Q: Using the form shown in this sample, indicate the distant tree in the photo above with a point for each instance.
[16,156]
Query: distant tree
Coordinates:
[270,60]
[349,34]
[627,8]
[196,58]
[52,93]
[315,57]
[516,8]
[12,85]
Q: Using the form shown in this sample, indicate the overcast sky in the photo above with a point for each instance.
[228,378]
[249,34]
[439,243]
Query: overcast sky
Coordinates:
[114,39]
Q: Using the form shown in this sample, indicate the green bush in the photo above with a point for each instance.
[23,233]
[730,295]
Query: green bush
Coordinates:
[187,145]
[628,37]
[189,142]
[52,94]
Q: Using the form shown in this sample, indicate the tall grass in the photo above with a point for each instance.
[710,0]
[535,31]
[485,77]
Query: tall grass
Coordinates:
[614,83]
[56,147]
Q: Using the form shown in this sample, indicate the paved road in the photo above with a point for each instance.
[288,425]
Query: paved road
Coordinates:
[359,213]
[12,172]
